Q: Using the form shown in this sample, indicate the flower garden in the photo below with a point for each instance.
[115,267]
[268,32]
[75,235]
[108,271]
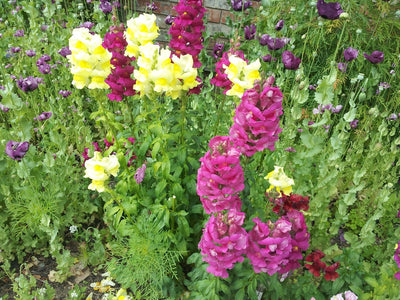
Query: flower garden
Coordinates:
[259,164]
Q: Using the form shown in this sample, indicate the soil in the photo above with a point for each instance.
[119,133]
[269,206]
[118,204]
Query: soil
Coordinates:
[41,269]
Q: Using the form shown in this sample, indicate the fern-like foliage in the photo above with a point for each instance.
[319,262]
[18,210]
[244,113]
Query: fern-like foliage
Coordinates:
[144,262]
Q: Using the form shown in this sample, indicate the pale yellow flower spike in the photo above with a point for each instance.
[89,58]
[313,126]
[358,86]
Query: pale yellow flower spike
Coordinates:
[280,181]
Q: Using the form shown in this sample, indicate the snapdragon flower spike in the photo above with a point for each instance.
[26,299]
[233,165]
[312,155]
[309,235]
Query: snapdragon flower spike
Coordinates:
[186,30]
[220,176]
[317,265]
[269,245]
[299,240]
[224,242]
[256,120]
[119,80]
[221,78]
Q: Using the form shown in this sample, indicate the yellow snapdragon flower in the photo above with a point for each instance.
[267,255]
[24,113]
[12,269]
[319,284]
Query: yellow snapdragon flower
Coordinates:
[158,73]
[99,169]
[90,62]
[140,31]
[280,181]
[242,75]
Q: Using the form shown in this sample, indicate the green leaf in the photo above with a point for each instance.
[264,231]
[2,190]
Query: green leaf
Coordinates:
[372,282]
[160,187]
[350,115]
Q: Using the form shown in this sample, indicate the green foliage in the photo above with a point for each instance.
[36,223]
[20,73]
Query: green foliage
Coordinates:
[148,233]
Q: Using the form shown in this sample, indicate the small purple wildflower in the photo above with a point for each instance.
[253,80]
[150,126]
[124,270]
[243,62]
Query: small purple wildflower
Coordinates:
[279,25]
[267,58]
[30,53]
[87,25]
[350,54]
[342,66]
[271,43]
[44,27]
[382,86]
[337,109]
[290,61]
[64,51]
[139,175]
[392,117]
[43,116]
[15,49]
[290,149]
[239,5]
[19,33]
[326,127]
[250,32]
[105,6]
[376,57]
[16,150]
[65,94]
[169,20]
[330,11]
[353,124]
[7,66]
[4,108]
[218,50]
[29,84]
[152,6]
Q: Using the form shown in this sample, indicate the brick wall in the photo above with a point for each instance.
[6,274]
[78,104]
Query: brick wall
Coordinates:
[216,15]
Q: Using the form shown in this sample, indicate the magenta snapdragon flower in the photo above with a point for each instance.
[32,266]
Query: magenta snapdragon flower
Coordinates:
[396,258]
[256,120]
[224,242]
[186,30]
[220,176]
[221,78]
[269,245]
[119,80]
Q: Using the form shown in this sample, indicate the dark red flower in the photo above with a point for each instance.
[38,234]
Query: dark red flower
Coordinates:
[316,267]
[330,272]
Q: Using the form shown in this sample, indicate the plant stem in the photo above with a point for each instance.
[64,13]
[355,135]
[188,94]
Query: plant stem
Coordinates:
[220,108]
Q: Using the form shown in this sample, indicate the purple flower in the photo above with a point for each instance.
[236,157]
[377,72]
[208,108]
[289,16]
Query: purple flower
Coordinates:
[169,20]
[44,68]
[375,57]
[353,124]
[239,5]
[290,149]
[272,43]
[218,50]
[350,54]
[43,116]
[30,53]
[4,108]
[15,49]
[342,66]
[396,258]
[105,6]
[19,33]
[152,6]
[65,94]
[64,51]
[29,84]
[279,25]
[16,150]
[44,27]
[250,32]
[139,175]
[267,58]
[329,11]
[337,109]
[44,58]
[87,25]
[393,117]
[290,61]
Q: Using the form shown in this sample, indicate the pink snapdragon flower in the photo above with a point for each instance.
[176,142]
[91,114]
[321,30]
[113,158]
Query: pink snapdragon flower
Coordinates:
[221,78]
[119,79]
[186,30]
[269,245]
[224,242]
[220,176]
[256,121]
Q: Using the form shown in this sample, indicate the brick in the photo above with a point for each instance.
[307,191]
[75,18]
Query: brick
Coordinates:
[226,15]
[220,4]
[213,15]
